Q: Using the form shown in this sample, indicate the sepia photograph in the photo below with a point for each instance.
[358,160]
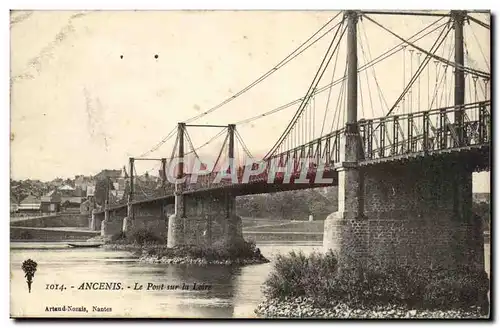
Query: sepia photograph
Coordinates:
[292,164]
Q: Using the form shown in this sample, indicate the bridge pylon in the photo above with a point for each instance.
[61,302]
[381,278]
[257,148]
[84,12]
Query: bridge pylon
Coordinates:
[414,210]
[204,219]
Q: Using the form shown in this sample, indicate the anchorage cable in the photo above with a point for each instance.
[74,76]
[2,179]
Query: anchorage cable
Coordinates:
[282,63]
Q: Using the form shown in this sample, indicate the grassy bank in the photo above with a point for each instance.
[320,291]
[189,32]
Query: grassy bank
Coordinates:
[218,253]
[153,249]
[320,283]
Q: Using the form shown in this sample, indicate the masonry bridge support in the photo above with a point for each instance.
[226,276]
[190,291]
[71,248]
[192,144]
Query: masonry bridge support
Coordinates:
[152,217]
[202,218]
[417,212]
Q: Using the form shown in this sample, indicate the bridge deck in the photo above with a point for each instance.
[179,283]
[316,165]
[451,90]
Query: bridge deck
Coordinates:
[383,140]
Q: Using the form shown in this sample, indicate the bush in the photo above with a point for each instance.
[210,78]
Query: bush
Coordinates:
[298,275]
[143,237]
[321,278]
[285,279]
[460,288]
[219,251]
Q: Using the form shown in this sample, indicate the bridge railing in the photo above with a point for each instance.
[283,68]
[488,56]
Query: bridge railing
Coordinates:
[426,131]
[420,132]
[325,150]
[166,189]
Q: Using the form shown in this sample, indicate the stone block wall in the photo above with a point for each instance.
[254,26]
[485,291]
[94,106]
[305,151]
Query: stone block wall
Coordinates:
[211,218]
[415,186]
[56,220]
[155,225]
[416,213]
[112,227]
[153,210]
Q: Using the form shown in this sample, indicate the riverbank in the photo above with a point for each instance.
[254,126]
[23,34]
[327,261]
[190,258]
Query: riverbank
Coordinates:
[302,307]
[319,286]
[200,261]
[239,253]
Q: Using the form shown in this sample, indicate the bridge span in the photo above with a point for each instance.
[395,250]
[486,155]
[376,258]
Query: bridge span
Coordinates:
[404,179]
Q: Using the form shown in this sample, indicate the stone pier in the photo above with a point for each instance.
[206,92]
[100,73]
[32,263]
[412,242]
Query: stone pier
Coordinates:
[147,217]
[204,219]
[415,212]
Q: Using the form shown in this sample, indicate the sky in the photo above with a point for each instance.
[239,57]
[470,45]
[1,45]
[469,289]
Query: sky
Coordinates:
[88,92]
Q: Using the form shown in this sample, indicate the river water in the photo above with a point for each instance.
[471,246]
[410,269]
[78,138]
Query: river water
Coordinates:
[234,291]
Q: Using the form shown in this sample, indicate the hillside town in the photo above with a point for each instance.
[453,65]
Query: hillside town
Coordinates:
[79,195]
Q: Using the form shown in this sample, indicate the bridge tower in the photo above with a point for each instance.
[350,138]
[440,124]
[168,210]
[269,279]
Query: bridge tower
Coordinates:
[204,218]
[233,226]
[338,235]
[411,210]
[127,221]
[175,235]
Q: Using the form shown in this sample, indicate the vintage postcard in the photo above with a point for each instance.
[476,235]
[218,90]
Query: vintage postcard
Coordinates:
[250,164]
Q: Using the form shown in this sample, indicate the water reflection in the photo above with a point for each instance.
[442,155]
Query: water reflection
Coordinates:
[235,291]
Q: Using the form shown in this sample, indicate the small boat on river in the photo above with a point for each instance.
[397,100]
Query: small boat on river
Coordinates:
[85,245]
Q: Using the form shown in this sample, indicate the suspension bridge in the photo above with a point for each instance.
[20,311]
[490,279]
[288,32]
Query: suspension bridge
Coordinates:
[403,166]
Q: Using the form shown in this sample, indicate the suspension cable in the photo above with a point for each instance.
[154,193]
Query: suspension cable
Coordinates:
[173,150]
[480,49]
[193,150]
[220,152]
[158,145]
[244,146]
[338,107]
[317,78]
[380,93]
[366,72]
[477,21]
[443,60]
[436,45]
[441,81]
[378,59]
[282,63]
[210,140]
